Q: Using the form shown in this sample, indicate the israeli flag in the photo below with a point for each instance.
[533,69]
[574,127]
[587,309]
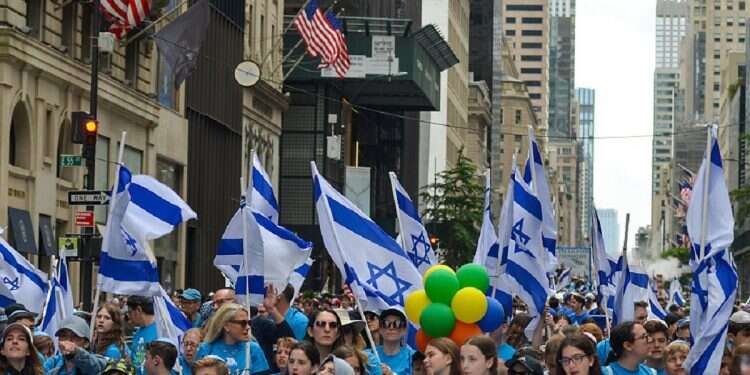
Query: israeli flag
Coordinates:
[379,273]
[563,279]
[298,276]
[655,310]
[142,209]
[501,284]
[263,199]
[59,302]
[250,282]
[534,176]
[526,254]
[632,287]
[604,265]
[488,241]
[710,226]
[24,283]
[675,293]
[414,237]
[171,323]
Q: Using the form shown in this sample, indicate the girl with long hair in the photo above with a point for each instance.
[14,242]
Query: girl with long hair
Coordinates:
[479,356]
[577,355]
[108,339]
[227,336]
[442,357]
[17,353]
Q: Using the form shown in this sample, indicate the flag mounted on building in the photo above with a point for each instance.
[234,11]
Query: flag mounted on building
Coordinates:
[323,36]
[124,15]
[180,41]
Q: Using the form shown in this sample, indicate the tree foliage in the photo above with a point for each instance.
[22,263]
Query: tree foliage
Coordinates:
[681,253]
[455,207]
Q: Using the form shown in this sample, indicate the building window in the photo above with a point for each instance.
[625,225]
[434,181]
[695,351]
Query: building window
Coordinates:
[741,5]
[69,27]
[510,19]
[35,17]
[531,32]
[535,96]
[533,83]
[518,117]
[510,32]
[20,138]
[131,63]
[532,20]
[262,37]
[524,8]
[531,45]
[531,70]
[531,58]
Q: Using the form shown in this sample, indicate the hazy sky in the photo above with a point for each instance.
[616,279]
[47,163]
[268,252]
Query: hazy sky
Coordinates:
[615,56]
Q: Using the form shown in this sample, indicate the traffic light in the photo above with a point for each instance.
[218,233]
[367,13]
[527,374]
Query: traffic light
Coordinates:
[85,129]
[434,241]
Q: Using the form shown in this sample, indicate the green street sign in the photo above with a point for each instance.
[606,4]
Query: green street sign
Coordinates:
[70,160]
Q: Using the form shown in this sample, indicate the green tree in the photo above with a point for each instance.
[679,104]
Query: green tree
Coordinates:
[455,207]
[681,253]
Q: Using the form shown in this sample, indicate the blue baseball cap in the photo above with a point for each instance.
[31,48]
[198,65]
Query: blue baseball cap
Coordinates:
[191,295]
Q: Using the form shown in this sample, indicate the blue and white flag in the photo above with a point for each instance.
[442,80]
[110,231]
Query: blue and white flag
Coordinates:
[710,225]
[604,265]
[414,237]
[300,273]
[25,283]
[501,285]
[263,199]
[488,242]
[143,209]
[675,293]
[632,287]
[63,278]
[655,310]
[250,281]
[379,273]
[563,279]
[171,323]
[535,176]
[59,301]
[526,254]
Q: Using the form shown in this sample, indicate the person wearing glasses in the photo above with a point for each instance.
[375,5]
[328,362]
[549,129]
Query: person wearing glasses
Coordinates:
[324,331]
[227,336]
[395,357]
[629,342]
[657,331]
[577,356]
[190,342]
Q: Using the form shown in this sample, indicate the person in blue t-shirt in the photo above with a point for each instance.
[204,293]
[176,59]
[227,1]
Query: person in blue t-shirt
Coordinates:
[395,357]
[190,304]
[296,319]
[629,342]
[228,336]
[577,304]
[190,342]
[141,315]
[108,339]
[657,335]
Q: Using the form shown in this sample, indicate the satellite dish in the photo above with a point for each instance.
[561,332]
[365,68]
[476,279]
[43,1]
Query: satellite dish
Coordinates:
[247,73]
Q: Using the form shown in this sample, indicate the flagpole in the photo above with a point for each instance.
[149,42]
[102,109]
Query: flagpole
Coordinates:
[245,265]
[107,228]
[704,208]
[338,243]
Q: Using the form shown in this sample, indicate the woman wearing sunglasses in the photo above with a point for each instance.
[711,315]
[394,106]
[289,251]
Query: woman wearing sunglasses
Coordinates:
[227,336]
[577,356]
[324,332]
[630,347]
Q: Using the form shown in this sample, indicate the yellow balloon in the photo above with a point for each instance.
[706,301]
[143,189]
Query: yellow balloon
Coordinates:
[435,268]
[469,305]
[415,303]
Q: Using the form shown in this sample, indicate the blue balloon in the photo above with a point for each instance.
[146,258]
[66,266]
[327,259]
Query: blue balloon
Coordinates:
[494,317]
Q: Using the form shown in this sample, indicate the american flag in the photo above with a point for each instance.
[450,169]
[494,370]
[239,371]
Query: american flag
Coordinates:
[124,15]
[323,36]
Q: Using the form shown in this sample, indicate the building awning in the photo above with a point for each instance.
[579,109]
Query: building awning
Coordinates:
[21,231]
[46,236]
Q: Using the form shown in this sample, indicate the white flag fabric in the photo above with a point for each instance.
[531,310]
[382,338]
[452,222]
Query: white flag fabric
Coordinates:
[171,323]
[298,276]
[604,265]
[263,199]
[675,293]
[250,282]
[526,254]
[63,278]
[632,287]
[414,237]
[714,285]
[563,279]
[537,180]
[487,246]
[25,283]
[379,272]
[655,310]
[144,209]
[59,301]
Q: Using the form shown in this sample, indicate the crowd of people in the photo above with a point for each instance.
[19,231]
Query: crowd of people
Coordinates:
[326,334]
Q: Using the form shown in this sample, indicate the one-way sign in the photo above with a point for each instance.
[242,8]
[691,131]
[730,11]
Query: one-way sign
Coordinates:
[88,197]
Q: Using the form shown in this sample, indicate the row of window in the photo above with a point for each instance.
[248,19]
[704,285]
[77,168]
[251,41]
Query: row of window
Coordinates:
[526,20]
[524,7]
[512,32]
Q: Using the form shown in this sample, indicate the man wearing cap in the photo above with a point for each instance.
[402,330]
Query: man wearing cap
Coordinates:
[739,328]
[161,355]
[524,364]
[190,303]
[74,359]
[17,313]
[141,315]
[395,357]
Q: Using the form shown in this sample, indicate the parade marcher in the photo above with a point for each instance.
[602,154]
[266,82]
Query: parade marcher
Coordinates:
[268,330]
[108,339]
[281,353]
[479,356]
[740,360]
[223,296]
[210,365]
[373,323]
[333,365]
[629,342]
[417,364]
[504,350]
[577,355]
[141,314]
[640,312]
[297,320]
[395,357]
[594,330]
[442,357]
[675,355]
[18,313]
[17,354]
[190,304]
[324,331]
[44,345]
[304,359]
[551,348]
[671,320]
[739,329]
[351,334]
[356,358]
[190,342]
[726,361]
[161,356]
[227,335]
[516,337]
[580,313]
[683,330]
[524,365]
[74,358]
[657,331]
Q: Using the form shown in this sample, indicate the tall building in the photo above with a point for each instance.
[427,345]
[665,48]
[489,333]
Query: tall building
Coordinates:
[671,27]
[586,103]
[526,27]
[610,229]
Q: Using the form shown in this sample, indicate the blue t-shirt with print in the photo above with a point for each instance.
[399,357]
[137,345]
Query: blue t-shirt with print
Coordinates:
[614,368]
[141,337]
[112,352]
[234,355]
[399,363]
[298,321]
[505,352]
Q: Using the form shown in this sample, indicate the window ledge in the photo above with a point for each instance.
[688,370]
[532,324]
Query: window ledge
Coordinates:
[19,172]
[64,184]
[48,160]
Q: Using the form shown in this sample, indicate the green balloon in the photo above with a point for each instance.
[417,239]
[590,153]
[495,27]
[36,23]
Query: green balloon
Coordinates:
[437,320]
[441,286]
[473,275]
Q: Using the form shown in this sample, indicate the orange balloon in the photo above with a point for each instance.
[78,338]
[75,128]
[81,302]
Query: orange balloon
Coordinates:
[421,340]
[463,331]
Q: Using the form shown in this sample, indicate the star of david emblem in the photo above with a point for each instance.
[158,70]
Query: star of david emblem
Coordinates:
[129,241]
[414,253]
[389,271]
[521,239]
[13,284]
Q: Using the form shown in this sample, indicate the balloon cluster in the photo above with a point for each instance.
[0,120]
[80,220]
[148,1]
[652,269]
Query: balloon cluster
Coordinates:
[453,304]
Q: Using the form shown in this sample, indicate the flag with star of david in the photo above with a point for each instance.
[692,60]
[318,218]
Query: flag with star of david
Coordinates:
[414,237]
[534,176]
[373,264]
[487,245]
[710,224]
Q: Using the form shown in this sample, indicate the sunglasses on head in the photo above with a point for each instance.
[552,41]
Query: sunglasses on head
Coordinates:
[322,324]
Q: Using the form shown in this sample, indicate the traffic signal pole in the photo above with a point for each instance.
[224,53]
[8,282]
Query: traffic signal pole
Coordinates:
[87,263]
